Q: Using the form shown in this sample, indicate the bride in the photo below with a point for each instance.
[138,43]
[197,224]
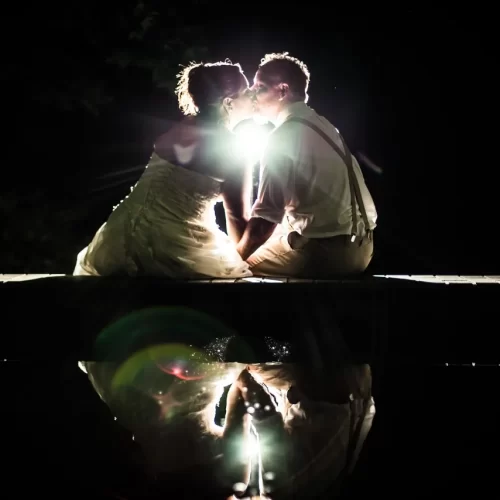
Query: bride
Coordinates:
[166,225]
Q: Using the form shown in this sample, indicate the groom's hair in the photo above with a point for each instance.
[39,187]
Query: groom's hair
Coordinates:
[283,68]
[202,86]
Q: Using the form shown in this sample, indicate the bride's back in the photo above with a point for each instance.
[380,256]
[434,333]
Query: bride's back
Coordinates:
[171,191]
[166,226]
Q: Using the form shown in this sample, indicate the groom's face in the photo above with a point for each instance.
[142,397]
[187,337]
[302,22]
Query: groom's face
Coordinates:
[267,103]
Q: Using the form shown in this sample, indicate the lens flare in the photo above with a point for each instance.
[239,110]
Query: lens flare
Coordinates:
[146,365]
[251,141]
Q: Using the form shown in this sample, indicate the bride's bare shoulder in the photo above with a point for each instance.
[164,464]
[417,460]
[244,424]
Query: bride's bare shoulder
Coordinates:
[183,133]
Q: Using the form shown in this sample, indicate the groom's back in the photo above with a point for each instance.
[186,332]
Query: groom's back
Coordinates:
[313,175]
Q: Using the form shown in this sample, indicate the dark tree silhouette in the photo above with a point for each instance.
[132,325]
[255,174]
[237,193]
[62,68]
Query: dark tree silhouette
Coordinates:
[81,53]
[67,93]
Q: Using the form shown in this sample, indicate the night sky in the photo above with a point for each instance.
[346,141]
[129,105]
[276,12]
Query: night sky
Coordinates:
[407,88]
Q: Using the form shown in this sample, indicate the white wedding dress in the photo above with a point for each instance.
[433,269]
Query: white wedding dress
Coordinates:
[166,226]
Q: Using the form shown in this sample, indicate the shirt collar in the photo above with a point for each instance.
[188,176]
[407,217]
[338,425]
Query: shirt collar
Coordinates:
[296,108]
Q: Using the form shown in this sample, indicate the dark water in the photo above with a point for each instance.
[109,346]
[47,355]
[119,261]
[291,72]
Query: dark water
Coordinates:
[435,431]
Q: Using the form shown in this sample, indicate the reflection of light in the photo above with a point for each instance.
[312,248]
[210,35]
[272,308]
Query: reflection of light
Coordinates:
[260,280]
[251,141]
[255,451]
[252,444]
[239,487]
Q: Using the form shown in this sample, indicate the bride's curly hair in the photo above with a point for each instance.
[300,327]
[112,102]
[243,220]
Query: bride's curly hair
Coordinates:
[201,87]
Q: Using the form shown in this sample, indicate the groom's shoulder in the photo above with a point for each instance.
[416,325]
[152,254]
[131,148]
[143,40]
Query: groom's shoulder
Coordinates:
[282,137]
[287,130]
[290,132]
[295,129]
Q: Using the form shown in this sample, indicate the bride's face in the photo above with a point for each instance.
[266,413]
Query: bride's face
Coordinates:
[240,108]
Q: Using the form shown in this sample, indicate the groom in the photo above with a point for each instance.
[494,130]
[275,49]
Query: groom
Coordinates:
[314,216]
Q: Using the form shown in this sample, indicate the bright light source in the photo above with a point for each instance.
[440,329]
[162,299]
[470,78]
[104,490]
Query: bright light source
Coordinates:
[251,141]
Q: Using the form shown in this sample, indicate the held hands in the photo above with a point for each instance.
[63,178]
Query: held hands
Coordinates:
[248,401]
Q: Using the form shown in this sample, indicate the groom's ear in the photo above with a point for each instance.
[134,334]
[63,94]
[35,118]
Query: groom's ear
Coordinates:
[284,89]
[227,103]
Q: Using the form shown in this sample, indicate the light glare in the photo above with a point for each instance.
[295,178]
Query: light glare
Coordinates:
[251,142]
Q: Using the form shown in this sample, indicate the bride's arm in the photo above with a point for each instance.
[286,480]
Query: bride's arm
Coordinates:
[236,195]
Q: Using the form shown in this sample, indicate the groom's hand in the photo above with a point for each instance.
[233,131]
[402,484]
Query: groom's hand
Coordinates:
[257,232]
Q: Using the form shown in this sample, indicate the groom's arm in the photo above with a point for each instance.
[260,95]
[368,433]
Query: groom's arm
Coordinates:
[257,232]
[272,200]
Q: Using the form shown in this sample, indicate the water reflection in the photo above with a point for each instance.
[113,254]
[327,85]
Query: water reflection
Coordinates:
[200,405]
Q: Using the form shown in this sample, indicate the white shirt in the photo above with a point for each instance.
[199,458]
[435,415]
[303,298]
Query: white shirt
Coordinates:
[304,184]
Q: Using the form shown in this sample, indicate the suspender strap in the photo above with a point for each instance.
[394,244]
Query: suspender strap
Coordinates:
[353,181]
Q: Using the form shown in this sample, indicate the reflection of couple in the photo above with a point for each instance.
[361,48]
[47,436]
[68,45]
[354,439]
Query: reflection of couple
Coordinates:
[313,216]
[304,442]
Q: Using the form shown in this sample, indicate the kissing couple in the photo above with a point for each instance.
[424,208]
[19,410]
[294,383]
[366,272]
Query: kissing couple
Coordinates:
[313,217]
